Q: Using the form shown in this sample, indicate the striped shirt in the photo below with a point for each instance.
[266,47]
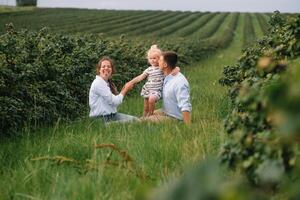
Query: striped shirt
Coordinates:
[155,81]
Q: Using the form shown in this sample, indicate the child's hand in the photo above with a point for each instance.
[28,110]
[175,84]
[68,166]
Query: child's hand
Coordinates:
[175,71]
[129,85]
[126,88]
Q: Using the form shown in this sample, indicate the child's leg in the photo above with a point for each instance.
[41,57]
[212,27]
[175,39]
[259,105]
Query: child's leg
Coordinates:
[151,102]
[146,107]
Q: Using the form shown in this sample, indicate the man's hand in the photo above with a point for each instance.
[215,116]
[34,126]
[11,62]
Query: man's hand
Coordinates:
[186,117]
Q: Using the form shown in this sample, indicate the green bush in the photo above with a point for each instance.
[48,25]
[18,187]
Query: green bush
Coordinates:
[263,127]
[207,180]
[26,2]
[257,89]
[46,76]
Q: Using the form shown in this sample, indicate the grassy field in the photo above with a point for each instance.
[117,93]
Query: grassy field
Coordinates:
[63,161]
[158,152]
[7,9]
[114,23]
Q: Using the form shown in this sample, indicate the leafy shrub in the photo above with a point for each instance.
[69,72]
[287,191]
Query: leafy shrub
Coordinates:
[256,89]
[205,181]
[46,76]
[26,2]
[263,127]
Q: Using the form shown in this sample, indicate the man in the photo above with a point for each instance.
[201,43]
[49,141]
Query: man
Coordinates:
[176,96]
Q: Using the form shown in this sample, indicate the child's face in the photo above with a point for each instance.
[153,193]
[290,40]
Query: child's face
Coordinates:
[153,59]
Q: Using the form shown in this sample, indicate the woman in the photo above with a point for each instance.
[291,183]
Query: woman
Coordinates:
[103,97]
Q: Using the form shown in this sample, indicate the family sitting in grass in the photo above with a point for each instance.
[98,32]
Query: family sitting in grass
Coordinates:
[163,81]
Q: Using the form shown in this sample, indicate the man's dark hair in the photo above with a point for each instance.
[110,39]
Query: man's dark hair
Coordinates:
[170,58]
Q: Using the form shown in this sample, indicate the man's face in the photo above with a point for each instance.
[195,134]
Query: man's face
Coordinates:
[161,62]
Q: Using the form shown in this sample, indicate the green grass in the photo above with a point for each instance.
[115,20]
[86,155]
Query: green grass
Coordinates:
[211,27]
[258,30]
[159,151]
[6,9]
[249,32]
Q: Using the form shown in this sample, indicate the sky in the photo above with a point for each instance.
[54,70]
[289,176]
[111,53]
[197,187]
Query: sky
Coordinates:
[292,6]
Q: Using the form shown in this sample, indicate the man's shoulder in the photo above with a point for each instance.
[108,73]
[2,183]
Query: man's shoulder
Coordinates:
[181,79]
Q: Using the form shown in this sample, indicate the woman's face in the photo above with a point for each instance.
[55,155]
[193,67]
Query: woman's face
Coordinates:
[105,70]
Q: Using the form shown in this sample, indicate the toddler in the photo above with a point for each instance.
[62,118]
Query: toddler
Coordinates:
[151,91]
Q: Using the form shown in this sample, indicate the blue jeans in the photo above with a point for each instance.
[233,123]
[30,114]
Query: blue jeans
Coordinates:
[118,117]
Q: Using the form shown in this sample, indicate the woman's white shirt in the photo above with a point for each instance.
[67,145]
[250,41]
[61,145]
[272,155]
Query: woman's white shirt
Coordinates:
[101,100]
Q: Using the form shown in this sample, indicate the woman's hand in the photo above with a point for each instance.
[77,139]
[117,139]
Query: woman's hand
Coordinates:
[127,87]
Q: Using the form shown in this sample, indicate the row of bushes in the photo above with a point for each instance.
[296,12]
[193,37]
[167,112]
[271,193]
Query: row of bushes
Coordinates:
[46,76]
[264,123]
[26,2]
[249,32]
[263,127]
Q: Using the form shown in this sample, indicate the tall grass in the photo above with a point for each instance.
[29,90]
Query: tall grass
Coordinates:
[159,151]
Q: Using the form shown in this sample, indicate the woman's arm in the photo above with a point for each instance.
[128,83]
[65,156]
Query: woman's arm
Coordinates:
[100,88]
[112,99]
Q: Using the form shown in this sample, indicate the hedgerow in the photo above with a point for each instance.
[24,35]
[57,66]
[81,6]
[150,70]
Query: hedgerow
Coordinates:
[265,115]
[46,76]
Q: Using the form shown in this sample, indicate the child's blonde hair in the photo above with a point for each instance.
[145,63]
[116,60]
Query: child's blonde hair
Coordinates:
[153,49]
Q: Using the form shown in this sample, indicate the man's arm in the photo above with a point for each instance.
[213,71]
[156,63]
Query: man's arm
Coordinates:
[183,98]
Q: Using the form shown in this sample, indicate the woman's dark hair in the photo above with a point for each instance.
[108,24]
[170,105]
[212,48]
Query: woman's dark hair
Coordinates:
[112,86]
[170,58]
